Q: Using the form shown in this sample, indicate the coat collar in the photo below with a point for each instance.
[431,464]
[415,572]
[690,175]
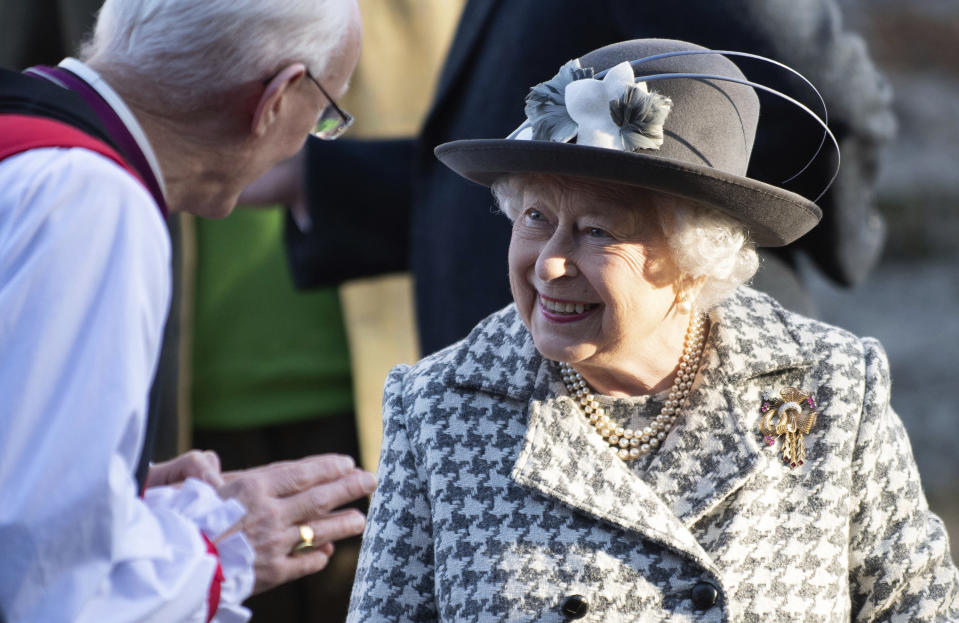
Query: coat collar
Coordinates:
[711,453]
[751,335]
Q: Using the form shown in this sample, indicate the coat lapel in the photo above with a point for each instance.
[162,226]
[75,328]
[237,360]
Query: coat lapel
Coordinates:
[716,446]
[564,459]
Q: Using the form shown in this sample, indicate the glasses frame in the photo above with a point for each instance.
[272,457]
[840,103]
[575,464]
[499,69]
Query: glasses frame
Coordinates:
[343,119]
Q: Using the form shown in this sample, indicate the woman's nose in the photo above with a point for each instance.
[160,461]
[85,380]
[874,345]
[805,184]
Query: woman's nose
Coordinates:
[554,260]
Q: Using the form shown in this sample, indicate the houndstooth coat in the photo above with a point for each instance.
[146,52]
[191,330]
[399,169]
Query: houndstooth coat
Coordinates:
[499,502]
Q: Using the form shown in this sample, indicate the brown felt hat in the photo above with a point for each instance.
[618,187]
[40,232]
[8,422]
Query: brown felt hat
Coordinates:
[683,135]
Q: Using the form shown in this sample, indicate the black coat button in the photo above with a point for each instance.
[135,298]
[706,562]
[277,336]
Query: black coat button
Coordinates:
[704,596]
[575,607]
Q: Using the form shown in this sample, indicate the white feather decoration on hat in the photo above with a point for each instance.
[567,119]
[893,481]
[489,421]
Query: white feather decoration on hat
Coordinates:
[616,112]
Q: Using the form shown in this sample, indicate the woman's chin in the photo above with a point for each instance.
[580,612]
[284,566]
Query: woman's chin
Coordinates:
[564,350]
[564,341]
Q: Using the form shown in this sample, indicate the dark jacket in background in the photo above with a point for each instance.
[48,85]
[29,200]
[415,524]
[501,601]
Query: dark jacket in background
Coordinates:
[385,206]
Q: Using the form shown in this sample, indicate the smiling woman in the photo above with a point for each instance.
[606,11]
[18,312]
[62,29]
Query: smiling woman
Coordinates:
[605,274]
[574,248]
[640,436]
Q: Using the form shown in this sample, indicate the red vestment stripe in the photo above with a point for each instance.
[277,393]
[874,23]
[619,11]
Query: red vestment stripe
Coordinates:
[214,598]
[20,133]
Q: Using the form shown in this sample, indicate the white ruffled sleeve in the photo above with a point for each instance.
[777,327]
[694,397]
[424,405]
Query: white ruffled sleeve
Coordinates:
[198,502]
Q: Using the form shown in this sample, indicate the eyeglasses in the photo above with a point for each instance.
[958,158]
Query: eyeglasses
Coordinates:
[333,121]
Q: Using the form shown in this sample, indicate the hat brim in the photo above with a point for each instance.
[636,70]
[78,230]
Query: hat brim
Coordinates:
[774,216]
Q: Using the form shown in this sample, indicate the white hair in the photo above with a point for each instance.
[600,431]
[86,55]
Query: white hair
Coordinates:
[188,53]
[707,244]
[704,244]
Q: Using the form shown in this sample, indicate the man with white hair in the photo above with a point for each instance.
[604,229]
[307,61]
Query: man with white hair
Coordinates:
[176,105]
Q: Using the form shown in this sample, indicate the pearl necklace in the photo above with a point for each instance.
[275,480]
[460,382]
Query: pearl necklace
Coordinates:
[632,444]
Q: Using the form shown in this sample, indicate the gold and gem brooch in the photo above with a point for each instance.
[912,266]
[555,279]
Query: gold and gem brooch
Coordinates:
[791,417]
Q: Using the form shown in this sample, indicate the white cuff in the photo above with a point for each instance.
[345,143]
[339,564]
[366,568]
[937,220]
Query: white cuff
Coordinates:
[199,502]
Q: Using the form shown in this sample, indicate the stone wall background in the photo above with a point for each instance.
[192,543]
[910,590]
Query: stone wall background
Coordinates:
[917,45]
[911,302]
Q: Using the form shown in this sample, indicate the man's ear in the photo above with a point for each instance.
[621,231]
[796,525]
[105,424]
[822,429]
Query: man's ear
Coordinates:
[271,101]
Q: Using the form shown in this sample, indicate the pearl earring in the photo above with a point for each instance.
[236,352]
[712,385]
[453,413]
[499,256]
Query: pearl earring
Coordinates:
[684,305]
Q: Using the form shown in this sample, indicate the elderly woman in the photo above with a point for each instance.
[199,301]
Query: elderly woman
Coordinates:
[640,437]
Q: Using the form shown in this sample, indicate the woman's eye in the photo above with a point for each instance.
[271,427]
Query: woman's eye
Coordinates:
[596,232]
[533,215]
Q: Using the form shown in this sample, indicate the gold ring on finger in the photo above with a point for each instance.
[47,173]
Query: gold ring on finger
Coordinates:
[305,541]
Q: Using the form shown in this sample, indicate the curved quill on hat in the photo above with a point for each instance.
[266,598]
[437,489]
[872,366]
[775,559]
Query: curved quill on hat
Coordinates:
[661,114]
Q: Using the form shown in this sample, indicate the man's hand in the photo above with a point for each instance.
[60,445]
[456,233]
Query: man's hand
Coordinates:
[204,466]
[280,497]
